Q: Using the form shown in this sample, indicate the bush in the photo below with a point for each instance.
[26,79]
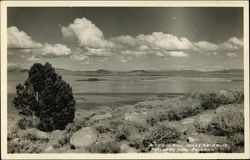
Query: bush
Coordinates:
[209,101]
[182,108]
[236,142]
[109,147]
[103,127]
[201,124]
[28,122]
[163,134]
[45,95]
[213,100]
[227,121]
[22,147]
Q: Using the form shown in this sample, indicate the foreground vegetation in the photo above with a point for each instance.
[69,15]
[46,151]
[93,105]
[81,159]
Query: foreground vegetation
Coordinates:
[197,118]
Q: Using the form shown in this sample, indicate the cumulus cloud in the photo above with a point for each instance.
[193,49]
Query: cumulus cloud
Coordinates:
[125,40]
[236,41]
[19,39]
[177,54]
[166,54]
[164,41]
[205,46]
[33,58]
[50,50]
[92,42]
[98,52]
[233,43]
[123,60]
[133,53]
[231,54]
[79,57]
[86,33]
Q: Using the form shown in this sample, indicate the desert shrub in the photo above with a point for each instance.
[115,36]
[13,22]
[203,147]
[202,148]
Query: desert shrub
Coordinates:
[25,123]
[32,135]
[133,133]
[154,118]
[62,140]
[162,133]
[239,95]
[227,121]
[213,100]
[174,114]
[103,127]
[209,101]
[23,146]
[46,96]
[142,137]
[109,147]
[232,144]
[184,107]
[201,125]
[226,97]
[139,141]
[236,142]
[28,122]
[76,125]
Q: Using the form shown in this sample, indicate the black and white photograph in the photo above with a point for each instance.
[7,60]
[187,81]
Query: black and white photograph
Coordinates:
[125,80]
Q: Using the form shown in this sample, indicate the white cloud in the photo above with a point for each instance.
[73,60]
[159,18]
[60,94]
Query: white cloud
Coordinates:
[123,60]
[93,43]
[133,53]
[164,41]
[177,54]
[205,46]
[236,41]
[229,45]
[50,50]
[232,44]
[56,50]
[33,58]
[98,52]
[160,54]
[79,57]
[125,40]
[144,48]
[87,34]
[231,54]
[19,39]
[166,54]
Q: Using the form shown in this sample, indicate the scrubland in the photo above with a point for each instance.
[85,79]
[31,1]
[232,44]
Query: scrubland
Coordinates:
[150,126]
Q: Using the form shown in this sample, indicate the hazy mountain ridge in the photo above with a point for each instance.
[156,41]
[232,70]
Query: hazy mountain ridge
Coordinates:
[100,72]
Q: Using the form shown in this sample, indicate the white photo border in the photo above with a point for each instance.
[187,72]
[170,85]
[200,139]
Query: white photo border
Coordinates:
[5,4]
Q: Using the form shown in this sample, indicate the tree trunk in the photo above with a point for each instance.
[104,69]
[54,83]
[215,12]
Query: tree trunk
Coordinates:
[37,96]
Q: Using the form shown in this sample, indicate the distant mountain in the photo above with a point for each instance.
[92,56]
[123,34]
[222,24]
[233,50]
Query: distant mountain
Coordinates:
[100,72]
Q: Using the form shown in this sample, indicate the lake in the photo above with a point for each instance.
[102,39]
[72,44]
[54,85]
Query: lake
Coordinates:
[113,90]
[141,84]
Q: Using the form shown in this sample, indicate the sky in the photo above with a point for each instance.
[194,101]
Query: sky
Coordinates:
[120,38]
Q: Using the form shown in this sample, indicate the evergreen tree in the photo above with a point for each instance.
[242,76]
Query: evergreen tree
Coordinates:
[46,96]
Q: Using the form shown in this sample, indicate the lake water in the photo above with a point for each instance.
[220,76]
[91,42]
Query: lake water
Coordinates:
[142,84]
[122,90]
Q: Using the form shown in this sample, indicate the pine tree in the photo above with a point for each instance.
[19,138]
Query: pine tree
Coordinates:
[46,96]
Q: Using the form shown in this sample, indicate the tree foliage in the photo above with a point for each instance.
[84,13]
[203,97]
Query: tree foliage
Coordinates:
[47,97]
